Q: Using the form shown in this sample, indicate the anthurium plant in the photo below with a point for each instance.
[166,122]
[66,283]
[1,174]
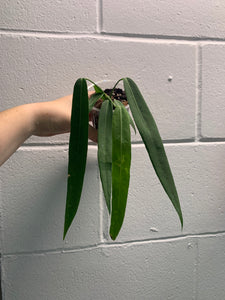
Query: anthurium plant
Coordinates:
[114,149]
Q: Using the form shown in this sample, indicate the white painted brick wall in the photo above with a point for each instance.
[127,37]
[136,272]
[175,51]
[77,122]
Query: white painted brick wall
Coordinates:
[161,18]
[211,270]
[174,50]
[213,91]
[132,271]
[75,16]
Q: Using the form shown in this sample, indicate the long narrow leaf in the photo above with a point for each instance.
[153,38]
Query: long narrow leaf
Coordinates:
[121,159]
[105,149]
[152,140]
[77,151]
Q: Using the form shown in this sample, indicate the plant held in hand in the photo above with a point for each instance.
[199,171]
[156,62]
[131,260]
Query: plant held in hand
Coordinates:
[114,149]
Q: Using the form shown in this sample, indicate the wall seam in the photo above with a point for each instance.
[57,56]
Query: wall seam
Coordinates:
[101,35]
[198,94]
[116,244]
[167,143]
[161,36]
[99,16]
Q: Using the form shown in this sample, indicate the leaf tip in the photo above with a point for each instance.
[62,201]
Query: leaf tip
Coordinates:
[181,218]
[64,234]
[182,223]
[113,234]
[66,228]
[112,237]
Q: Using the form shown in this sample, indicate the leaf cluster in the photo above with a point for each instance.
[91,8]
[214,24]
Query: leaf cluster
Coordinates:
[114,150]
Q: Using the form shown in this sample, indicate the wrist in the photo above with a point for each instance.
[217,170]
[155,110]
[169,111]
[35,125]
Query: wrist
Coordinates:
[33,113]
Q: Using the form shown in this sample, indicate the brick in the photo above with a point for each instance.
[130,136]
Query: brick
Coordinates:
[162,18]
[60,16]
[213,90]
[199,177]
[34,196]
[163,270]
[211,267]
[46,68]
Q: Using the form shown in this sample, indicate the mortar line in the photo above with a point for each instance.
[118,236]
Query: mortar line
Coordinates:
[167,143]
[204,140]
[34,147]
[164,37]
[112,36]
[198,113]
[99,16]
[66,144]
[115,244]
[186,144]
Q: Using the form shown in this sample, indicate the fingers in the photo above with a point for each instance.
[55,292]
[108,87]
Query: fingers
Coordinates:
[93,134]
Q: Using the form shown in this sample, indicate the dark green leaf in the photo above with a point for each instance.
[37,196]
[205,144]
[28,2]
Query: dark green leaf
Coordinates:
[98,90]
[121,159]
[152,140]
[77,151]
[105,149]
[94,98]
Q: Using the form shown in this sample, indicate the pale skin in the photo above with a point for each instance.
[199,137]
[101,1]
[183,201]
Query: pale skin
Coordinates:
[41,119]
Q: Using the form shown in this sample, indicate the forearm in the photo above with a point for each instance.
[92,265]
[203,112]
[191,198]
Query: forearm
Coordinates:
[42,119]
[16,125]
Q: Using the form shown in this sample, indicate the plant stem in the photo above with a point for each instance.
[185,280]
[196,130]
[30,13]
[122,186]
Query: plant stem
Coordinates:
[107,96]
[115,86]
